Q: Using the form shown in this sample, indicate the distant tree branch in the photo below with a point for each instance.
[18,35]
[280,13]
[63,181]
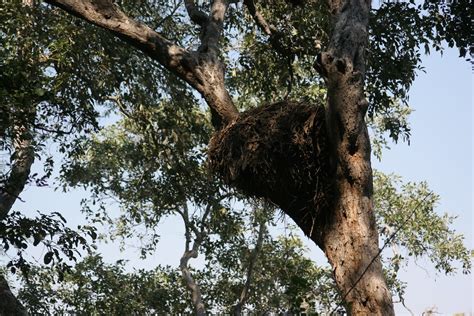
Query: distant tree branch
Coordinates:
[189,253]
[250,269]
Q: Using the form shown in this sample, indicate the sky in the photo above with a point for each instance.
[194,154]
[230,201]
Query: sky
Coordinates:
[440,152]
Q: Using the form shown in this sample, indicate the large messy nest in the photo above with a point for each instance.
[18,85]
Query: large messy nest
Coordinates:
[279,152]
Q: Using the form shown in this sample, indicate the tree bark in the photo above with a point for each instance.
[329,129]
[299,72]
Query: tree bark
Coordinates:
[349,235]
[244,294]
[201,69]
[192,252]
[22,160]
[24,156]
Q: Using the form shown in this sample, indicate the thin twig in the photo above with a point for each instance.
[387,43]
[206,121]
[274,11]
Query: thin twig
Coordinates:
[245,291]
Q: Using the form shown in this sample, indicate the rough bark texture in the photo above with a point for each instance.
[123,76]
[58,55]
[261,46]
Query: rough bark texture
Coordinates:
[350,238]
[202,69]
[24,156]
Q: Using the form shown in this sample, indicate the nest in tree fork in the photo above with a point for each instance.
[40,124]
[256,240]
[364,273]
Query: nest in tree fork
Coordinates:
[279,152]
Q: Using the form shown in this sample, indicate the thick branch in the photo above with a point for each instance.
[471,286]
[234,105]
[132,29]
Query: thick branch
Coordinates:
[204,72]
[24,156]
[215,26]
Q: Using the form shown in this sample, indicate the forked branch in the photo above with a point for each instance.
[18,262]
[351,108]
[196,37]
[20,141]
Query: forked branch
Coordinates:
[202,69]
[192,252]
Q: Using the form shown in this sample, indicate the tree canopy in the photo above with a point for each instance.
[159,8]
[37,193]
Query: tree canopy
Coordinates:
[126,108]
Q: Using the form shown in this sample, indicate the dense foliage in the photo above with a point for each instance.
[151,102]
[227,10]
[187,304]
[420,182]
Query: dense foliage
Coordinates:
[131,132]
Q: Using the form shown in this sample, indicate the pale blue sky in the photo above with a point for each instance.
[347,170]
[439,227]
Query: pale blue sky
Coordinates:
[440,153]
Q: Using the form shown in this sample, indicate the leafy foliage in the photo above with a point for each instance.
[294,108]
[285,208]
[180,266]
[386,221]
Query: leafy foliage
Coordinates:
[425,233]
[151,157]
[409,224]
[49,231]
[96,288]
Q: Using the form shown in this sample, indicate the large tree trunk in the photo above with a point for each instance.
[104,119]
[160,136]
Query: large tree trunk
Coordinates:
[349,235]
[313,162]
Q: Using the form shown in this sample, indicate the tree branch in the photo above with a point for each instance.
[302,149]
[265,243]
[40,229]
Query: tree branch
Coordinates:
[196,15]
[259,19]
[106,14]
[253,259]
[24,156]
[192,285]
[202,69]
[275,37]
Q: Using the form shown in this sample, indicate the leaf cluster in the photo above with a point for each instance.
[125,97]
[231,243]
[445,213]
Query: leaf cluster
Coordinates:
[61,243]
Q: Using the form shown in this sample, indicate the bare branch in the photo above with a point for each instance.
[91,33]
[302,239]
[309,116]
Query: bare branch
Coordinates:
[192,285]
[250,269]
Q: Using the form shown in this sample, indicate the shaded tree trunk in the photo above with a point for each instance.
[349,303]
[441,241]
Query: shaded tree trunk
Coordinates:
[23,159]
[9,304]
[349,235]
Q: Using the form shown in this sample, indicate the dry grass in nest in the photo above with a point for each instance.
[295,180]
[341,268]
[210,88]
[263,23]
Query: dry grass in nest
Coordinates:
[279,152]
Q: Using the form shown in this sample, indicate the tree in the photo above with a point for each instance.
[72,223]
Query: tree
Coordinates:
[329,147]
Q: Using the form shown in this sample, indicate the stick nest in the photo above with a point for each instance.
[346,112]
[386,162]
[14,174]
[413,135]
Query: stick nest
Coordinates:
[279,152]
